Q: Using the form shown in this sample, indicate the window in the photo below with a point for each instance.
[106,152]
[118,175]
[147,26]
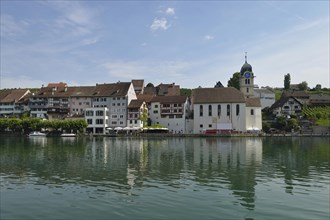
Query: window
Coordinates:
[99,113]
[89,113]
[228,110]
[121,116]
[156,106]
[201,110]
[89,121]
[99,121]
[155,111]
[247,90]
[210,126]
[219,110]
[237,109]
[200,125]
[252,111]
[210,110]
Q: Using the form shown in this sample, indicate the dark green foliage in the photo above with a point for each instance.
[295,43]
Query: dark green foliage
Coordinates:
[303,86]
[35,124]
[185,92]
[287,81]
[234,81]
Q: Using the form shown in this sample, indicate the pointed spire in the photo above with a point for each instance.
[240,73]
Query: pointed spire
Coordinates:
[245,57]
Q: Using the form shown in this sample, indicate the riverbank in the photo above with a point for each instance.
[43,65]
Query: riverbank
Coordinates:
[146,135]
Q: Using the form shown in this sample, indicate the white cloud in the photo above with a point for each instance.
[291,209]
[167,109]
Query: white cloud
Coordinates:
[74,17]
[159,24]
[208,37]
[162,71]
[170,11]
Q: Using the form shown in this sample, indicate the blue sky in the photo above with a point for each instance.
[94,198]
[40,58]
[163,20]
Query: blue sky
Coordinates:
[191,43]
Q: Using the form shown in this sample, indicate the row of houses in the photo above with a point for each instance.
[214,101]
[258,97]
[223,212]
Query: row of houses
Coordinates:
[133,105]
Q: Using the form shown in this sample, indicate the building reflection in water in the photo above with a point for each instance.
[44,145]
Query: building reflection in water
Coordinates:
[219,162]
[231,161]
[41,141]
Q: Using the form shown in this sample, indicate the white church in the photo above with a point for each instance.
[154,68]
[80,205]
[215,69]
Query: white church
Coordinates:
[226,109]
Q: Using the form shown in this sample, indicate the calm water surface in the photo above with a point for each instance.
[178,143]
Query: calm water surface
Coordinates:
[170,178]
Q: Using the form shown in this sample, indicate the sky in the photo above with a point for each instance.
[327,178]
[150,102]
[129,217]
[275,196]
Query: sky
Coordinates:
[190,43]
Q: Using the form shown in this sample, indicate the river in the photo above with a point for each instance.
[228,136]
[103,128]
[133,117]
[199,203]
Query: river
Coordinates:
[165,178]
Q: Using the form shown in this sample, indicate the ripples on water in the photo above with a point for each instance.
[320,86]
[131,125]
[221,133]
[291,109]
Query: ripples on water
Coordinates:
[216,178]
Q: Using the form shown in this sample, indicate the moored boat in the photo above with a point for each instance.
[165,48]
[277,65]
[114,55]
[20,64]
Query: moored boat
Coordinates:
[37,134]
[68,135]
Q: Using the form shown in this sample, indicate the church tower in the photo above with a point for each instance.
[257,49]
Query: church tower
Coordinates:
[246,79]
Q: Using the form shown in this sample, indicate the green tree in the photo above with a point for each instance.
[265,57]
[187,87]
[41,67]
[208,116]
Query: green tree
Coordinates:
[292,123]
[144,117]
[234,81]
[287,81]
[318,87]
[185,92]
[303,86]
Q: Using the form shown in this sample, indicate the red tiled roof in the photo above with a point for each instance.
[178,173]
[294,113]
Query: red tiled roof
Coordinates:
[135,103]
[138,82]
[145,97]
[61,84]
[14,95]
[217,95]
[169,99]
[112,90]
[83,91]
[253,102]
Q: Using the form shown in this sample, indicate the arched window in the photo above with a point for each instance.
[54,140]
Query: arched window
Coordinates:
[201,110]
[237,109]
[210,110]
[228,110]
[219,110]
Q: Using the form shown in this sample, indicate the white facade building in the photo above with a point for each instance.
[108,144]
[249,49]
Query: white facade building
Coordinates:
[80,99]
[97,119]
[221,109]
[253,115]
[267,97]
[13,102]
[115,97]
[137,109]
[171,112]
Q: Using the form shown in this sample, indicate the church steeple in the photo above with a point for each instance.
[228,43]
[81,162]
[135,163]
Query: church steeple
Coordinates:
[246,79]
